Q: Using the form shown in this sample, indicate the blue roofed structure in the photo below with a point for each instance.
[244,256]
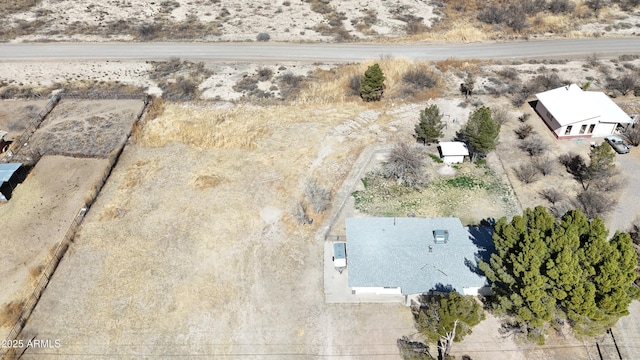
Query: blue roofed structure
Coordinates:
[6,173]
[412,256]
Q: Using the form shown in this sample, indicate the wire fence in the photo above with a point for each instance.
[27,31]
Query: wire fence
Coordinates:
[63,245]
[19,151]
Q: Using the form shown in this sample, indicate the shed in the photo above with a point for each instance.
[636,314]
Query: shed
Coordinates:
[570,112]
[7,172]
[453,152]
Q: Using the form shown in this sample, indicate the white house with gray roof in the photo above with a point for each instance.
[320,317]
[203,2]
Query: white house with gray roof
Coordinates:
[412,256]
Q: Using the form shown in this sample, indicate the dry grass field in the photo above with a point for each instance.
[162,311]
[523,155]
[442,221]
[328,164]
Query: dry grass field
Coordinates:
[44,205]
[191,249]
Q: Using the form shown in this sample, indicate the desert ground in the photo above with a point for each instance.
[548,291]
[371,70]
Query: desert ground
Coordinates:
[192,248]
[299,21]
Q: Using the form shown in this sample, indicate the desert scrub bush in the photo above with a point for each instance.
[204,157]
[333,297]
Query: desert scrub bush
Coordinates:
[526,173]
[15,6]
[544,164]
[552,195]
[353,84]
[317,195]
[624,83]
[246,84]
[264,74]
[290,85]
[406,165]
[523,131]
[534,145]
[418,79]
[178,79]
[500,115]
[594,203]
[509,73]
[148,31]
[299,212]
[263,37]
[16,92]
[632,134]
[561,6]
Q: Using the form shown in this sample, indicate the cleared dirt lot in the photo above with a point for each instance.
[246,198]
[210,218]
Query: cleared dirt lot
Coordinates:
[43,206]
[37,217]
[190,248]
[15,115]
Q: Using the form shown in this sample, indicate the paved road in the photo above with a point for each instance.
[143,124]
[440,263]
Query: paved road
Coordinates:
[318,52]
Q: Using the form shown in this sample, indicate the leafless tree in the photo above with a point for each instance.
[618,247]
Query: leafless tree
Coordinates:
[410,349]
[534,145]
[299,212]
[405,164]
[318,196]
[552,195]
[632,135]
[624,83]
[527,173]
[500,115]
[544,164]
[560,208]
[575,165]
[595,203]
[523,131]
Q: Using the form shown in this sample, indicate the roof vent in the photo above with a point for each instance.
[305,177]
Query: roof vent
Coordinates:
[440,236]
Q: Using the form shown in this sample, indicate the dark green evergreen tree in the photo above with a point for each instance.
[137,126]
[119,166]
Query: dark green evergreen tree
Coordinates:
[602,164]
[430,125]
[372,85]
[543,271]
[447,318]
[481,131]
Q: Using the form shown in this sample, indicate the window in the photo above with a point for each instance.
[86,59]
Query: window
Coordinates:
[583,128]
[591,127]
[568,131]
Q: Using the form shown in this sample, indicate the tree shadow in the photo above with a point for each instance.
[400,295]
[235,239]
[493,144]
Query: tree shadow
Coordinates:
[482,238]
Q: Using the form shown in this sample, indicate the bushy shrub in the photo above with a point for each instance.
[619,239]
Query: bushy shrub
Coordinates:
[263,37]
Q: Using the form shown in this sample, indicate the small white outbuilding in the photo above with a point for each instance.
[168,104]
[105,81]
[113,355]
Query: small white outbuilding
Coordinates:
[453,152]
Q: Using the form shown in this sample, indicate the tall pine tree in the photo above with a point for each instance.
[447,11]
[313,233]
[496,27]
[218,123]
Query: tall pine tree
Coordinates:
[481,131]
[430,125]
[372,85]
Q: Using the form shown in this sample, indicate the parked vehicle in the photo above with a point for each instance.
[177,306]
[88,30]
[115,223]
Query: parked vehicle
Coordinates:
[340,256]
[617,144]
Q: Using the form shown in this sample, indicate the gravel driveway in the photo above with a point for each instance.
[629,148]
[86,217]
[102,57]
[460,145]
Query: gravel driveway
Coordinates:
[628,207]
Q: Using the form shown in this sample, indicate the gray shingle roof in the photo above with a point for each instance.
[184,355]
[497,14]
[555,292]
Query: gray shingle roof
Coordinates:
[394,252]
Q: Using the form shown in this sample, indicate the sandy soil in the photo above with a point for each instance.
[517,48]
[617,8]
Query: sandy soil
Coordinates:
[192,249]
[15,115]
[37,217]
[239,20]
[44,205]
[236,20]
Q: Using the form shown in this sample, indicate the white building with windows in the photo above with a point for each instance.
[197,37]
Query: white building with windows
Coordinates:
[569,112]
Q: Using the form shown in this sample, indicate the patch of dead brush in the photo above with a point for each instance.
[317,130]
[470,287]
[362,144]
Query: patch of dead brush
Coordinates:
[10,313]
[203,182]
[140,171]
